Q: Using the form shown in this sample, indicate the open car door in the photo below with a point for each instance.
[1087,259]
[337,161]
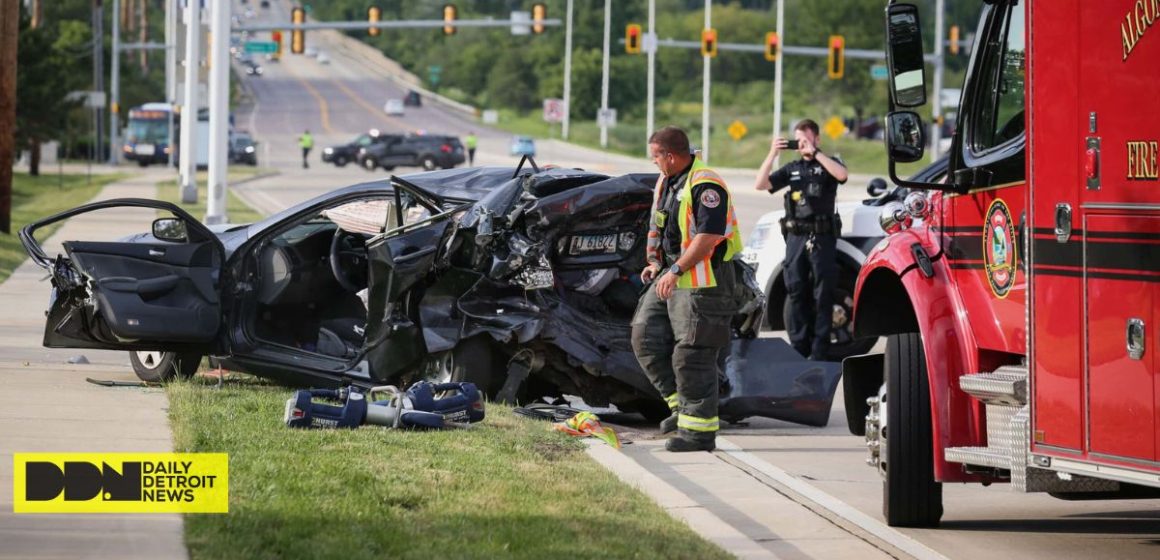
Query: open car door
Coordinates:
[154,292]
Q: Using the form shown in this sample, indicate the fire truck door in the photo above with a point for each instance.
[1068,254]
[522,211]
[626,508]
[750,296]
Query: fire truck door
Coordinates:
[1121,256]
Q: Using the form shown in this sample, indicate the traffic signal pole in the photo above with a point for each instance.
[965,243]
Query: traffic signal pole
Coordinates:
[651,49]
[115,87]
[189,105]
[939,59]
[567,73]
[219,109]
[604,76]
[777,69]
[705,88]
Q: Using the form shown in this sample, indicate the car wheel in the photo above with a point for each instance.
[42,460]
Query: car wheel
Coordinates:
[910,495]
[843,343]
[473,361]
[159,367]
[340,161]
[428,163]
[369,164]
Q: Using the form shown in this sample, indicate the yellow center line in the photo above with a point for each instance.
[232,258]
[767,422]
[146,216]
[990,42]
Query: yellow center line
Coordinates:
[322,106]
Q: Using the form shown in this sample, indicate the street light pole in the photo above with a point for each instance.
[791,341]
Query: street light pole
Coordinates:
[777,69]
[936,110]
[115,88]
[219,110]
[170,73]
[189,106]
[567,73]
[604,77]
[705,89]
[651,47]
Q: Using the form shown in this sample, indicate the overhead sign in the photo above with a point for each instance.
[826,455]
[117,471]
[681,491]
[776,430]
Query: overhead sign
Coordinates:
[879,72]
[553,110]
[261,47]
[738,130]
[521,23]
[834,128]
[606,117]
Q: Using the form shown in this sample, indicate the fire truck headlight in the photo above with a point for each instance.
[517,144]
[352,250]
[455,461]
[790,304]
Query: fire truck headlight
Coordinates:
[894,218]
[917,205]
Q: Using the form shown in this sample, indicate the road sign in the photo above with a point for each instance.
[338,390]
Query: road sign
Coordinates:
[834,128]
[606,117]
[521,23]
[490,116]
[553,110]
[433,74]
[879,72]
[261,47]
[738,130]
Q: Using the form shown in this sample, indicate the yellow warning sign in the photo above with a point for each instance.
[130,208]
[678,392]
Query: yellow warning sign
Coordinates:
[738,130]
[834,128]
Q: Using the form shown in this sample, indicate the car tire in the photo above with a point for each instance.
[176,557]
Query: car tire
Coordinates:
[473,361]
[340,161]
[844,297]
[369,164]
[427,163]
[910,495]
[159,367]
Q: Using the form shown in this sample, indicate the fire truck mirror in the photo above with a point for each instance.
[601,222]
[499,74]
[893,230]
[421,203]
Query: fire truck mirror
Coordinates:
[904,54]
[904,136]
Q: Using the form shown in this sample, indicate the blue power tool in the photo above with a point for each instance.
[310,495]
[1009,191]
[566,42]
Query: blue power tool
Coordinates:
[423,405]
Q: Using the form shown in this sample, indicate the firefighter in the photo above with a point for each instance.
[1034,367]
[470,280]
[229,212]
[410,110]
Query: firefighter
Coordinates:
[811,230]
[682,321]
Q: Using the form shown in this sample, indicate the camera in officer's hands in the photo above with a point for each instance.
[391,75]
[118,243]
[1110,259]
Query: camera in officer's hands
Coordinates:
[791,144]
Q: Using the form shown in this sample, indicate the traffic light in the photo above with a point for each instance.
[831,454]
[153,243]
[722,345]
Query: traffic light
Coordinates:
[709,42]
[276,37]
[632,38]
[373,15]
[539,14]
[837,62]
[772,46]
[449,15]
[954,39]
[297,36]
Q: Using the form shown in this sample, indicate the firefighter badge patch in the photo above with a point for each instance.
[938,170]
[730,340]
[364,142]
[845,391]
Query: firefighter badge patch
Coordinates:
[710,198]
[1000,248]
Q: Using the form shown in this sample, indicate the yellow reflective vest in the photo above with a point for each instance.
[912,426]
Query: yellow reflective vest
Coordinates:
[701,274]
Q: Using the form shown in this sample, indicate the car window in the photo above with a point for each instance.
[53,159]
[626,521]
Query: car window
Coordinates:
[999,111]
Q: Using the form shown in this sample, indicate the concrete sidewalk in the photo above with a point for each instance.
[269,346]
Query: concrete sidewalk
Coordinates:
[46,406]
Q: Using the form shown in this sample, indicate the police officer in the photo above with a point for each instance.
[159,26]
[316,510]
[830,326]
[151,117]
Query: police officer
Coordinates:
[811,232]
[683,319]
[306,142]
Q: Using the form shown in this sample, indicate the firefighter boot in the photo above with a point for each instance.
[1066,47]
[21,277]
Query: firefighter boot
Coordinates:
[669,425]
[691,441]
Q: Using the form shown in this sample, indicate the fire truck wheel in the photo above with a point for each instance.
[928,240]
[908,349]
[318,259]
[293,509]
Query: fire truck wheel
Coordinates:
[910,495]
[158,367]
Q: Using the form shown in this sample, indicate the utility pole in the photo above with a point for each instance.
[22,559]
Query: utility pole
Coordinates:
[219,110]
[115,96]
[936,110]
[651,47]
[171,18]
[189,107]
[604,77]
[705,89]
[567,73]
[98,77]
[777,69]
[9,30]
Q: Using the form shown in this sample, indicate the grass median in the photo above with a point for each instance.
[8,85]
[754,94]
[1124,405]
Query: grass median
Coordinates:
[38,197]
[507,488]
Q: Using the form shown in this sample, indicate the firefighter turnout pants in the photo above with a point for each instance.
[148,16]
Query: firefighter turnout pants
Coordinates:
[677,342]
[810,271]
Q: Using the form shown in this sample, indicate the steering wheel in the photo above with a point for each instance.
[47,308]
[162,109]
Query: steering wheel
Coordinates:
[348,259]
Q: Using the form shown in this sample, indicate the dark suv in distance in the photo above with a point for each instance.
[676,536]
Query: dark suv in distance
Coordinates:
[429,151]
[345,153]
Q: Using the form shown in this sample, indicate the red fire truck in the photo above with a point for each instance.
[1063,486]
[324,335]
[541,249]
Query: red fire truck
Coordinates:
[1021,297]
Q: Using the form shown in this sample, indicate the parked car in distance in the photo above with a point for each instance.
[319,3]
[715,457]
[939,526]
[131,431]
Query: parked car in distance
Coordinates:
[343,154]
[243,149]
[322,58]
[429,151]
[523,146]
[765,250]
[412,99]
[252,68]
[393,107]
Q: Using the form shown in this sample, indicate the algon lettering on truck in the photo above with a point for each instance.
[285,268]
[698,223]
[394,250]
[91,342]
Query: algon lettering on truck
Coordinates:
[1138,20]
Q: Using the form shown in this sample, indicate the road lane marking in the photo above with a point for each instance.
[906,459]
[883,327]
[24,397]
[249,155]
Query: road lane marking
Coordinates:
[834,505]
[322,106]
[365,105]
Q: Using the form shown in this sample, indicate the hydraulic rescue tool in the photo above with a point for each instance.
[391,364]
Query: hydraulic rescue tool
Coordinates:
[423,405]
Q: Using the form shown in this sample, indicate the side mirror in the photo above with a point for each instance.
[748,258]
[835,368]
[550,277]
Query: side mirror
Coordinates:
[904,56]
[905,140]
[170,229]
[877,187]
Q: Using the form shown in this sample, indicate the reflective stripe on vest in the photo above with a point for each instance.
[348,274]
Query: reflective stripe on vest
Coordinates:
[701,274]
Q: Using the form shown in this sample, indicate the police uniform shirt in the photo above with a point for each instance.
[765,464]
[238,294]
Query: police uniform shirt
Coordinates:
[710,214]
[816,186]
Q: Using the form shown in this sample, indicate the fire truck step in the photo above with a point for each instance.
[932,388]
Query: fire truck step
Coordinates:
[1004,386]
[980,456]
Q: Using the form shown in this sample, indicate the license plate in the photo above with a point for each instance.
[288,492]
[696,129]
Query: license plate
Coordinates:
[145,149]
[604,244]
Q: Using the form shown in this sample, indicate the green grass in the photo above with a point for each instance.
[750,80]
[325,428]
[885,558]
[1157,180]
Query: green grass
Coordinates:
[237,211]
[509,488]
[38,197]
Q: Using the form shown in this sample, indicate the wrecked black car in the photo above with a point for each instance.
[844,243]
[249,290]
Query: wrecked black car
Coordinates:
[523,281]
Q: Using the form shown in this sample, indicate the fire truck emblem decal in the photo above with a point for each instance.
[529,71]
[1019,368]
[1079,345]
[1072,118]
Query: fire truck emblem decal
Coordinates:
[1000,252]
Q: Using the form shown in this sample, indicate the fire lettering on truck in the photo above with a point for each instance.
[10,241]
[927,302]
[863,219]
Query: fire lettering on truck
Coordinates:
[1000,251]
[1142,160]
[1138,20]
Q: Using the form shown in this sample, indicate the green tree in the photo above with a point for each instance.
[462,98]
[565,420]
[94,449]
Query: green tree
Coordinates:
[47,71]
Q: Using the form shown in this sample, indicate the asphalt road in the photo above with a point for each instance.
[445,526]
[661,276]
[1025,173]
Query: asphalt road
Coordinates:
[339,100]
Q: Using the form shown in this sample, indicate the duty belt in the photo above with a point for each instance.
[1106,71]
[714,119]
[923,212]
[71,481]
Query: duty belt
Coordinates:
[824,225]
